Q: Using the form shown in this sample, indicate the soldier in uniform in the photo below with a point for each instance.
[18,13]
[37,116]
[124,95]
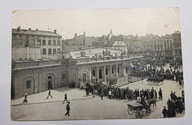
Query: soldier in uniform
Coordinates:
[68,109]
[25,98]
[65,98]
[49,94]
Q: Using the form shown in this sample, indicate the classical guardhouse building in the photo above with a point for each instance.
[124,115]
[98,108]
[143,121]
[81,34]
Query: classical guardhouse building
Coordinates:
[88,65]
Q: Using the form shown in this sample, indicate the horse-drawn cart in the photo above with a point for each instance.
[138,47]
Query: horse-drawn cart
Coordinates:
[138,109]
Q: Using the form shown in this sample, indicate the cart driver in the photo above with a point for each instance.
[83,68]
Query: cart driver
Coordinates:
[142,101]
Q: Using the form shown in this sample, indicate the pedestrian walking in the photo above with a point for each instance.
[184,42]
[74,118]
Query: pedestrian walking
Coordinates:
[25,98]
[68,109]
[65,98]
[49,94]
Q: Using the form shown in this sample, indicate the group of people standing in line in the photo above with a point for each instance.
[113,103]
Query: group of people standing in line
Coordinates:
[121,93]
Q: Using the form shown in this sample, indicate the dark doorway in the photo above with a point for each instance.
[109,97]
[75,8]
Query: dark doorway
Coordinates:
[100,74]
[64,80]
[50,80]
[93,72]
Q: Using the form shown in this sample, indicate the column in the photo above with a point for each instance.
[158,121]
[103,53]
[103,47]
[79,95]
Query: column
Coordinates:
[104,73]
[59,79]
[123,70]
[27,53]
[116,71]
[110,71]
[90,74]
[97,74]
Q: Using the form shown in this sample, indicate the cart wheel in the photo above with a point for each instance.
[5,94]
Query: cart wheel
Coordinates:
[139,113]
[130,111]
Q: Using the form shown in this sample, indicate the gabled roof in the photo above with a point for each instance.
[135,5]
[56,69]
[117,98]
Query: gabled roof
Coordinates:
[112,40]
[35,32]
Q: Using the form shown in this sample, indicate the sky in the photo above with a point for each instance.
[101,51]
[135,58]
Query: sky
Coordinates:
[98,22]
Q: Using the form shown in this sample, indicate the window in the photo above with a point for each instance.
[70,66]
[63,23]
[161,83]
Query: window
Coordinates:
[44,42]
[44,51]
[84,77]
[54,51]
[127,69]
[58,50]
[27,43]
[14,41]
[38,42]
[49,42]
[54,42]
[118,70]
[28,84]
[49,51]
[112,70]
[32,42]
[58,43]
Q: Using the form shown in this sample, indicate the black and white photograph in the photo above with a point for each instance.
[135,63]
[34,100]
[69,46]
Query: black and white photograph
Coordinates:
[96,64]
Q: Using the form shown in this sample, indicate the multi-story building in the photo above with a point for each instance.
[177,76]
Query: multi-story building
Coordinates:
[177,52]
[167,46]
[28,44]
[117,42]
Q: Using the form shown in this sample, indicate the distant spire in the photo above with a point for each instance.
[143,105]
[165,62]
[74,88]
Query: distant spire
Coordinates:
[111,31]
[110,34]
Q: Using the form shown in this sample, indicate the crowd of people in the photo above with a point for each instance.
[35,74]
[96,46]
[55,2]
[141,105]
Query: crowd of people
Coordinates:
[159,74]
[175,105]
[122,93]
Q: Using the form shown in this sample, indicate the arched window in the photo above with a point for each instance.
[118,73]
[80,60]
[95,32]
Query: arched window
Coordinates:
[112,70]
[84,77]
[118,70]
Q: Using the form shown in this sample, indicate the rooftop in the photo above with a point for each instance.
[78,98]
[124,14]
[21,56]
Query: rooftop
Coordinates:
[34,32]
[89,53]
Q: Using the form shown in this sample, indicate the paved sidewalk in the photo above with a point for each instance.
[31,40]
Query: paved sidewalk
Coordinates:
[57,94]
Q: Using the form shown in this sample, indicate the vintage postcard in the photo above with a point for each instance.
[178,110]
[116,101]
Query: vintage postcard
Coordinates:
[89,64]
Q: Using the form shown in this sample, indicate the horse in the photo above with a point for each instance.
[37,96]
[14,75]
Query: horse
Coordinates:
[152,103]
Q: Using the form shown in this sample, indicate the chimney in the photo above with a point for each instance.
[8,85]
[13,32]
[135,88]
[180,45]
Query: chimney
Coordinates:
[18,28]
[55,31]
[75,35]
[36,29]
[29,28]
[84,33]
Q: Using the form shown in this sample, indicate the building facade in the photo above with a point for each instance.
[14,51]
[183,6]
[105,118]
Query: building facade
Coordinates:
[27,42]
[88,65]
[177,49]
